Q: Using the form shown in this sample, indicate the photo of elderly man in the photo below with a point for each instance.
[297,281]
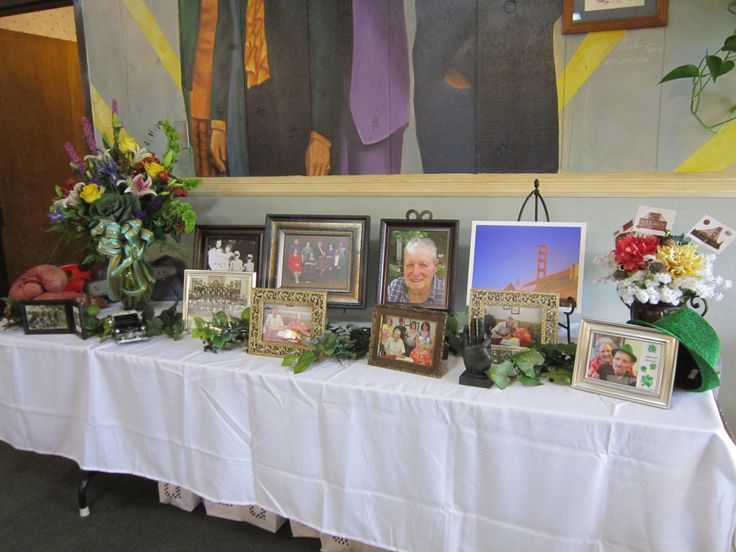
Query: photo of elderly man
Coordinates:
[420,284]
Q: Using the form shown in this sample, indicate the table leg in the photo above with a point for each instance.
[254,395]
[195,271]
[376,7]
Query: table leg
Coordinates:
[85,476]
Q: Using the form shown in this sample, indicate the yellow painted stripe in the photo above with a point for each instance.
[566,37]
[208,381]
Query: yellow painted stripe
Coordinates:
[153,33]
[717,154]
[593,50]
[102,114]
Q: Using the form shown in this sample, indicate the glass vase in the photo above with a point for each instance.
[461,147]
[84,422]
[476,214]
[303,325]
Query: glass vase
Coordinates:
[134,292]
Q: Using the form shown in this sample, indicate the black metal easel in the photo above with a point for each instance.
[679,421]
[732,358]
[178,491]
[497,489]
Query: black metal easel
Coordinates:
[537,200]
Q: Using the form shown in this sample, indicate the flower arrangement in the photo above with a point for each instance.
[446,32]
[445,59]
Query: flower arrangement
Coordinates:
[122,199]
[661,269]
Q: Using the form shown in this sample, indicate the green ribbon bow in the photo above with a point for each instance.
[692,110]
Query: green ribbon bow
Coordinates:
[125,245]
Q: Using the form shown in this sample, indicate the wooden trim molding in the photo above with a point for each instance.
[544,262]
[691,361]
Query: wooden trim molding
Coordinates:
[707,185]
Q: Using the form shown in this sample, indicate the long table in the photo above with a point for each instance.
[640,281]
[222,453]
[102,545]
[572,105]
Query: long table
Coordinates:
[383,457]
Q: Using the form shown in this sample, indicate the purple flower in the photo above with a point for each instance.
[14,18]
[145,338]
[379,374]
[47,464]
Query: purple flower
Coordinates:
[114,107]
[139,214]
[156,202]
[107,170]
[72,153]
[89,135]
[56,215]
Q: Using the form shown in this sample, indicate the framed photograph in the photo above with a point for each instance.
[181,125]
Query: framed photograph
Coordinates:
[515,319]
[582,16]
[280,320]
[209,291]
[228,248]
[409,339]
[538,257]
[47,317]
[77,318]
[417,262]
[321,253]
[628,362]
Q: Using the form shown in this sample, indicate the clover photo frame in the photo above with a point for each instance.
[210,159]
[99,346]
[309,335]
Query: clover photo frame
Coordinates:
[47,317]
[538,257]
[396,266]
[228,248]
[515,319]
[582,16]
[409,339]
[623,361]
[319,253]
[281,319]
[209,291]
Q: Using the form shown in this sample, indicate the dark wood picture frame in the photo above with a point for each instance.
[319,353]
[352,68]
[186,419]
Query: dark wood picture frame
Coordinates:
[204,235]
[342,275]
[47,317]
[576,19]
[415,361]
[444,235]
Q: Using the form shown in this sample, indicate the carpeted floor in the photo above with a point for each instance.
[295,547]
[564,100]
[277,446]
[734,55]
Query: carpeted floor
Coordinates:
[38,511]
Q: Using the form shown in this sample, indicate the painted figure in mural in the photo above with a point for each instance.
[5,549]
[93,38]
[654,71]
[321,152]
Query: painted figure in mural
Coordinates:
[360,94]
[245,70]
[485,92]
[255,109]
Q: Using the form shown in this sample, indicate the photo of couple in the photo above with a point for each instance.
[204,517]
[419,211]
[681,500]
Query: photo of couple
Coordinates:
[624,361]
[286,323]
[513,326]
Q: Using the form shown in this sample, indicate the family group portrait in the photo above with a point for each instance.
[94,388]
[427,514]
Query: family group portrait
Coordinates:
[315,261]
[231,256]
[410,340]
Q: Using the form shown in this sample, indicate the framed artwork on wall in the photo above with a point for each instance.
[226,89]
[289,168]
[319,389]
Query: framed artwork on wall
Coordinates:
[628,362]
[538,257]
[280,319]
[320,253]
[209,291]
[228,248]
[409,339]
[417,262]
[582,16]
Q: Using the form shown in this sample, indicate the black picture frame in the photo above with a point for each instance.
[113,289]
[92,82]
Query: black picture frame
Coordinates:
[395,234]
[333,251]
[78,320]
[237,237]
[577,19]
[52,316]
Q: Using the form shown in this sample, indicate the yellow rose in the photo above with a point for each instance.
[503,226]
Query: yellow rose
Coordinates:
[91,192]
[153,169]
[126,142]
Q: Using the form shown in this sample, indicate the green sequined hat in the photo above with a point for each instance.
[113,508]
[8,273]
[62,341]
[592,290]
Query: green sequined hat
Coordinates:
[698,337]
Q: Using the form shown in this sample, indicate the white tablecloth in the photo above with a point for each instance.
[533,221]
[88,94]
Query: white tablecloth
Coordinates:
[384,457]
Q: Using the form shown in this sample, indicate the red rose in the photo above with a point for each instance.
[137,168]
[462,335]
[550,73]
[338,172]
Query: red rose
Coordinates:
[631,249]
[179,192]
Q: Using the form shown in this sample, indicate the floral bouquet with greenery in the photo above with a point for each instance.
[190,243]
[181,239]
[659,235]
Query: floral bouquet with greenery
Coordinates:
[661,269]
[120,200]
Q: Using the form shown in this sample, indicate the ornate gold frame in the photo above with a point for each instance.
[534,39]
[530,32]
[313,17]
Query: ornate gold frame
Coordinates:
[317,300]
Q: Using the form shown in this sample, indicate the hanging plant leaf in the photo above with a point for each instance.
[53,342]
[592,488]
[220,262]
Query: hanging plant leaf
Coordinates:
[681,72]
[717,66]
[730,44]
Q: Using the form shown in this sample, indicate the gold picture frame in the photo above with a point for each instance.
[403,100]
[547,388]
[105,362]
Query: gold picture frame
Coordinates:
[423,354]
[623,361]
[209,291]
[525,316]
[281,318]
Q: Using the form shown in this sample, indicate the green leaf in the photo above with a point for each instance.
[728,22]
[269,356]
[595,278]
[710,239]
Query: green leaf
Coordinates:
[730,44]
[499,373]
[681,72]
[527,360]
[717,66]
[529,382]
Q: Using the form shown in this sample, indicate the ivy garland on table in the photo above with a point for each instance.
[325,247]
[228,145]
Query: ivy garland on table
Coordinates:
[224,332]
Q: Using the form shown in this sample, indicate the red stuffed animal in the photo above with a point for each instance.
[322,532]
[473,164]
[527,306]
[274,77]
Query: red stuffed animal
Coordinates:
[42,282]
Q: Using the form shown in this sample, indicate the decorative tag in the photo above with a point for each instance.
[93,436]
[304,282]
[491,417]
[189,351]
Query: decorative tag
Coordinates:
[714,235]
[654,220]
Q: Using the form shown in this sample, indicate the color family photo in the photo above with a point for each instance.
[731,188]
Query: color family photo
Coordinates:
[316,261]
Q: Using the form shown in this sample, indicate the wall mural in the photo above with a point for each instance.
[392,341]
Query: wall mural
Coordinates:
[316,87]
